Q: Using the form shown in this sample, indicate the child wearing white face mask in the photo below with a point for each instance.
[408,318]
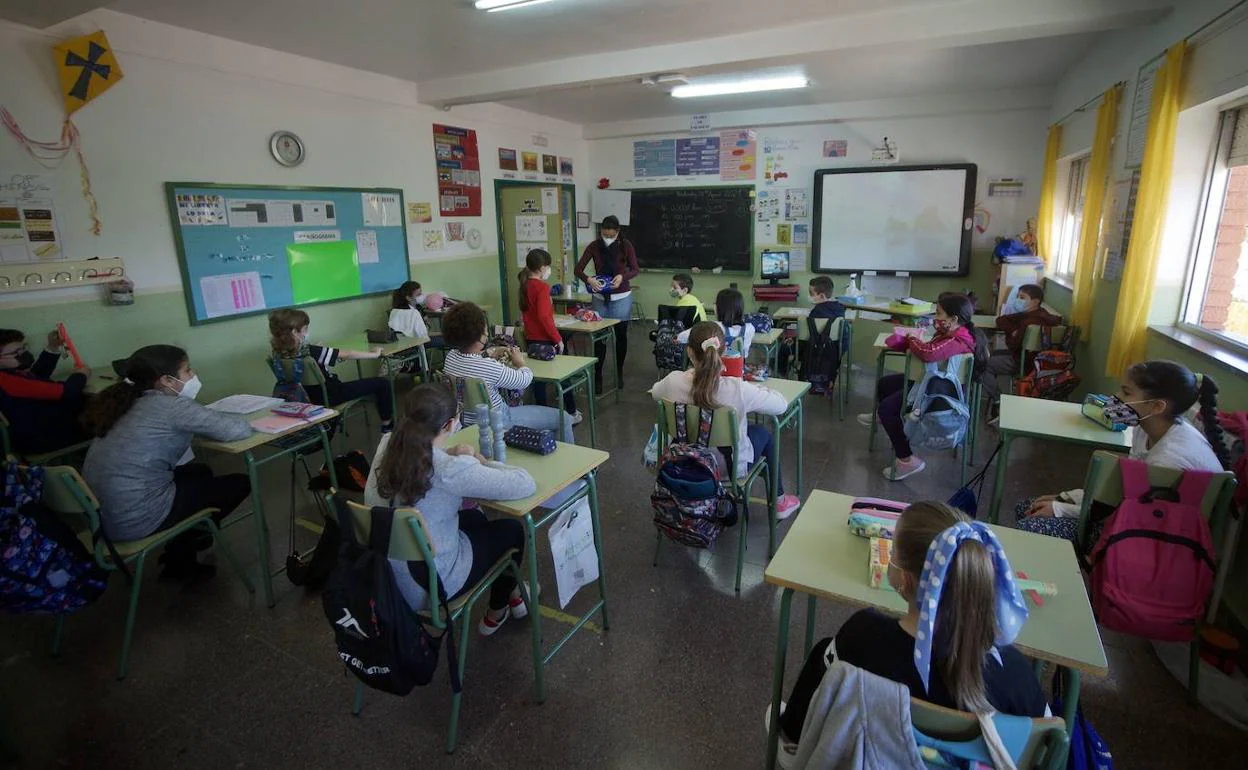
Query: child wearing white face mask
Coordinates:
[144,427]
[539,318]
[1156,395]
[288,329]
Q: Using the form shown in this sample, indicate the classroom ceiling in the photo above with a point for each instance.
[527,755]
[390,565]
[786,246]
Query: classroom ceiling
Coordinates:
[582,60]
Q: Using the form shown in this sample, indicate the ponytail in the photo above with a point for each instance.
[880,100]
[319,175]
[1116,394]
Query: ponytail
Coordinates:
[1207,397]
[534,261]
[966,617]
[706,340]
[143,371]
[405,472]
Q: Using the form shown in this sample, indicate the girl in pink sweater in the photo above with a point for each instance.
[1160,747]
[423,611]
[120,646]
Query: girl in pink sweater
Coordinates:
[955,334]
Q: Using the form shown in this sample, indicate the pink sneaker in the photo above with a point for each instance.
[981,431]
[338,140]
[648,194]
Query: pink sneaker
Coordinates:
[786,506]
[904,469]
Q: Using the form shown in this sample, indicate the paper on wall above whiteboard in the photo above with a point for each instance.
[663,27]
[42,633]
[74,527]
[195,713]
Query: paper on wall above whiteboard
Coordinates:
[531,227]
[604,203]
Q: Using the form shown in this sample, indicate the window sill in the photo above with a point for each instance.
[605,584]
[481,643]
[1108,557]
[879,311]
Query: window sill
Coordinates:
[1067,282]
[1218,352]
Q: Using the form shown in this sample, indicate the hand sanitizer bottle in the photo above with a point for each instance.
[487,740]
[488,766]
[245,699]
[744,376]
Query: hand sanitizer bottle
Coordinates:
[485,440]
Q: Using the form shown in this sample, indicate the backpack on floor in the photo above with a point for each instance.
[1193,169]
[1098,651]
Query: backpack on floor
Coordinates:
[1153,567]
[289,389]
[44,567]
[1052,375]
[380,639]
[1088,751]
[937,421]
[669,354]
[351,468]
[691,504]
[824,354]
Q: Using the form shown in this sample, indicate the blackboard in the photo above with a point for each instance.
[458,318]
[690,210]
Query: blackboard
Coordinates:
[676,228]
[247,249]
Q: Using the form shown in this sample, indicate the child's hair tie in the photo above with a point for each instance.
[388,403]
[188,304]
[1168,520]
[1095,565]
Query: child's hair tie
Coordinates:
[711,343]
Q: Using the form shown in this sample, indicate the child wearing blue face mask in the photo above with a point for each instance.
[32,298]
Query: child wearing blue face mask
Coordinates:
[1023,311]
[139,466]
[1158,394]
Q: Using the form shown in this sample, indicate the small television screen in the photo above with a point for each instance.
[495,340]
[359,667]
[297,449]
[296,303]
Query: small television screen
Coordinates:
[775,264]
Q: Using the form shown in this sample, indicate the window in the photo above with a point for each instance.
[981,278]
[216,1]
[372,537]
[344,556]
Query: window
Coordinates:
[1072,218]
[1217,293]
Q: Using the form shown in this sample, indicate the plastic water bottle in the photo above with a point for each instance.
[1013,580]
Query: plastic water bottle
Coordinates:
[496,426]
[485,440]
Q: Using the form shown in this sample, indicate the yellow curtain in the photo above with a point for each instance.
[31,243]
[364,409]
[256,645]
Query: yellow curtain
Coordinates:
[1045,241]
[1098,177]
[1135,295]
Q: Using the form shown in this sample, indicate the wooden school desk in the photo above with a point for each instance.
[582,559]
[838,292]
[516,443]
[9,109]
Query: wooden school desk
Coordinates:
[553,473]
[1052,420]
[393,353]
[596,331]
[567,373]
[823,559]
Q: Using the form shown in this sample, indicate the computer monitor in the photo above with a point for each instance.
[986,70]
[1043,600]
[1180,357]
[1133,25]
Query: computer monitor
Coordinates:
[775,266]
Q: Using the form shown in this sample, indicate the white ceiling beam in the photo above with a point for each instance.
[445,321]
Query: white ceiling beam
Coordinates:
[930,105]
[959,23]
[42,14]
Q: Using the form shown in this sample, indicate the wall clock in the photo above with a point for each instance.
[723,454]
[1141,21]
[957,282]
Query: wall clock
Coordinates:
[474,239]
[287,148]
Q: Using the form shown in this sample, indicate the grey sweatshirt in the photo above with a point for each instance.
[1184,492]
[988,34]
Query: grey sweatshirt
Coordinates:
[131,468]
[454,478]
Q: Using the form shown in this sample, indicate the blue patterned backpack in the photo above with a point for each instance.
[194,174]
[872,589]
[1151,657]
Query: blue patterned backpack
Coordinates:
[44,567]
[691,505]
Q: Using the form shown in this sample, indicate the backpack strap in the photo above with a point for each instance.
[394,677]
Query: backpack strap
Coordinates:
[704,426]
[682,429]
[1192,487]
[345,526]
[1134,478]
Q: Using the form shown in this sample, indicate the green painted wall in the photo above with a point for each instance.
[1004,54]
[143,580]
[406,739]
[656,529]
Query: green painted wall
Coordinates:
[229,355]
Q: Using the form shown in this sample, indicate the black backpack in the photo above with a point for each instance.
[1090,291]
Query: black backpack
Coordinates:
[380,639]
[823,358]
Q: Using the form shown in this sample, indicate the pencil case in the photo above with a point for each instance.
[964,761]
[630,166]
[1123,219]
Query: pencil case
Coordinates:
[541,351]
[1094,409]
[540,442]
[874,516]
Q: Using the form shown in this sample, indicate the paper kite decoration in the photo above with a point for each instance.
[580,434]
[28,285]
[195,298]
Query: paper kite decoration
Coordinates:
[86,67]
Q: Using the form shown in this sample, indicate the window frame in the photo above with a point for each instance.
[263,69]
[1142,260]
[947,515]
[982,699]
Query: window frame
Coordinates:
[1076,179]
[1200,259]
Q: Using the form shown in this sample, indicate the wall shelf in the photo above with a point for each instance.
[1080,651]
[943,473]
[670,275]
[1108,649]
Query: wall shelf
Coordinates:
[35,276]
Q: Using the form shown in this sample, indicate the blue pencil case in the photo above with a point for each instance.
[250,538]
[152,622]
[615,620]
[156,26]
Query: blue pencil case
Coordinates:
[540,442]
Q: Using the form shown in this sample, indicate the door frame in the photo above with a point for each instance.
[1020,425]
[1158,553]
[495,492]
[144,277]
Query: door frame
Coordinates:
[504,184]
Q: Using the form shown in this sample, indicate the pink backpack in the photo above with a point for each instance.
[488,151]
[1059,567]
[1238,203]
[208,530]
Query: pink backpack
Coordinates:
[1153,568]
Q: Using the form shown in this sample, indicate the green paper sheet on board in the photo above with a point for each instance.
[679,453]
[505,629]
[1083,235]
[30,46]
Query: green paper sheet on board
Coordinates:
[323,271]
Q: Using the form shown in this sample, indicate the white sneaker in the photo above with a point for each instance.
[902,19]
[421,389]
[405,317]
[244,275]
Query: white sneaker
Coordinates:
[577,418]
[488,627]
[899,470]
[516,604]
[786,752]
[865,420]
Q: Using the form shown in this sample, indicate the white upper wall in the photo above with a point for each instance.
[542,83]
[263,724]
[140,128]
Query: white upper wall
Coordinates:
[194,107]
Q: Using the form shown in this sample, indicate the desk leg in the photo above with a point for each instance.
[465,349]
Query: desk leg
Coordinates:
[1070,704]
[801,444]
[810,625]
[593,409]
[535,615]
[592,480]
[262,527]
[875,401]
[773,490]
[998,488]
[777,678]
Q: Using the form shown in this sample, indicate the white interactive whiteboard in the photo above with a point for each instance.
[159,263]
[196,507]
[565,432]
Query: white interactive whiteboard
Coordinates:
[915,219]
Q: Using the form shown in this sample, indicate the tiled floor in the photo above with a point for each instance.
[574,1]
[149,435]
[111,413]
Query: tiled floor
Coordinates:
[680,680]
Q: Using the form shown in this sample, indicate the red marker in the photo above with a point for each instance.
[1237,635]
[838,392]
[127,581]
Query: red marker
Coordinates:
[69,345]
[1035,595]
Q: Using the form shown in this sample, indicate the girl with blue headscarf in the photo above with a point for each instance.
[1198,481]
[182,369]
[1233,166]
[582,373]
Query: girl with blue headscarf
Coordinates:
[953,646]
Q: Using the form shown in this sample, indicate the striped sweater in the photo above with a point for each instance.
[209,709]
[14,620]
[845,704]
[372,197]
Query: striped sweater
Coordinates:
[489,371]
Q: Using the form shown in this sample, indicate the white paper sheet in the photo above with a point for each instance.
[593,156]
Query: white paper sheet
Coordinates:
[317,236]
[550,200]
[531,228]
[797,260]
[366,247]
[231,294]
[573,552]
[381,209]
[523,249]
[244,404]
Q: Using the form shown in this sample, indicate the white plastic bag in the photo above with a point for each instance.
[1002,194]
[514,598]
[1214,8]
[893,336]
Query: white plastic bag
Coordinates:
[573,552]
[650,455]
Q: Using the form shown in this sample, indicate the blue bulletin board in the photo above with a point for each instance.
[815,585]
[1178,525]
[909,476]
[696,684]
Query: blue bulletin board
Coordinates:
[247,249]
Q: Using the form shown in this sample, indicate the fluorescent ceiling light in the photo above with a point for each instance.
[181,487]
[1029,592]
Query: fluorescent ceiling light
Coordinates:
[744,86]
[493,6]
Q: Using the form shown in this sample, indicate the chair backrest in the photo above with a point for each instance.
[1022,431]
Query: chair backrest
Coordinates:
[1045,748]
[312,374]
[915,369]
[67,494]
[685,314]
[469,391]
[723,428]
[409,541]
[1033,335]
[1104,485]
[803,331]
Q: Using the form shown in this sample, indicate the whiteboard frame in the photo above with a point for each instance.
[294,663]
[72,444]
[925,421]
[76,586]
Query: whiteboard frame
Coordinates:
[968,210]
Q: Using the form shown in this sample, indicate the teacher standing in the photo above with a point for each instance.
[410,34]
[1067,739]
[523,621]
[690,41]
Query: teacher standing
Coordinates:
[615,262]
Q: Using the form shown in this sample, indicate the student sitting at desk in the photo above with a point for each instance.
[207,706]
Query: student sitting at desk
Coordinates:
[412,468]
[730,312]
[682,292]
[823,306]
[539,319]
[703,386]
[465,332]
[1158,394]
[42,413]
[1026,311]
[406,316]
[140,464]
[288,331]
[955,335]
[953,646]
